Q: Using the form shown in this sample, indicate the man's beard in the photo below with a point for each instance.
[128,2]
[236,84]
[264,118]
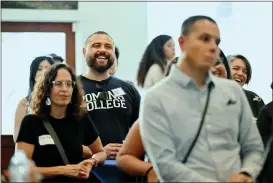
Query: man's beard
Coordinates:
[92,63]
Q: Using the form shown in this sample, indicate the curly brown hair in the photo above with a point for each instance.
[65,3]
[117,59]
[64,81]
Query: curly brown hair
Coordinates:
[42,90]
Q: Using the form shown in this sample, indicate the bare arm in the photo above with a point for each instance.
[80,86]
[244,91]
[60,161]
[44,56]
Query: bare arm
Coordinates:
[87,153]
[129,157]
[19,115]
[46,172]
[99,153]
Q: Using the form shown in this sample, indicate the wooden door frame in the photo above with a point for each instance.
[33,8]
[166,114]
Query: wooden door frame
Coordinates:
[47,27]
[7,144]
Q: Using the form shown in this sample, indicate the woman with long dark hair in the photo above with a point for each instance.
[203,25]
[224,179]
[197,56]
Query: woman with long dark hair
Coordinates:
[37,67]
[154,61]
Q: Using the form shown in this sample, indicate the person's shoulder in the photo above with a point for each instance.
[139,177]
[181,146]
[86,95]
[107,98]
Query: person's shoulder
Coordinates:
[250,93]
[269,107]
[31,119]
[155,68]
[226,84]
[228,87]
[124,84]
[158,90]
[23,102]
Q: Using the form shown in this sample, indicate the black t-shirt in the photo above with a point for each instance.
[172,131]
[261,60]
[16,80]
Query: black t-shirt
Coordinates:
[265,126]
[72,134]
[255,102]
[114,113]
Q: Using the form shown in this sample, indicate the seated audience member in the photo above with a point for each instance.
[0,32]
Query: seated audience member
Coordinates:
[37,67]
[153,64]
[196,127]
[57,59]
[56,103]
[241,72]
[265,126]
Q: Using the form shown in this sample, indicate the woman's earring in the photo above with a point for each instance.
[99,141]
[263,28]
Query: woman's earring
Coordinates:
[48,101]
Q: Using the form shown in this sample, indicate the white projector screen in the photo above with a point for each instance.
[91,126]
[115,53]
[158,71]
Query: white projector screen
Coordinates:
[245,28]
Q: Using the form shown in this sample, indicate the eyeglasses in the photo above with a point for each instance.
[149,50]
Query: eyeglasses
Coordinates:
[68,84]
[103,92]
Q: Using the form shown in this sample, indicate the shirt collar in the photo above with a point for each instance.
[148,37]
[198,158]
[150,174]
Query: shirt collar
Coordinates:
[184,80]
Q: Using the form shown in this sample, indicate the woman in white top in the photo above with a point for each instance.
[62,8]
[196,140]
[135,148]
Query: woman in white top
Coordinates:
[154,61]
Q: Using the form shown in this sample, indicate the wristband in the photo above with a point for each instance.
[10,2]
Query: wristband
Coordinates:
[148,171]
[96,162]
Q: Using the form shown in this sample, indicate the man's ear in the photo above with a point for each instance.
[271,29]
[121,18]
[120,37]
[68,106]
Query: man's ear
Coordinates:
[181,41]
[83,52]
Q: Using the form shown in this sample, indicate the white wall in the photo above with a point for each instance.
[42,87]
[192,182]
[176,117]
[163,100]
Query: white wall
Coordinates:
[124,21]
[245,28]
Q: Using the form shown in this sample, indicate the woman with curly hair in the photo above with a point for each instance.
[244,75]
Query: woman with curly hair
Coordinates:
[57,99]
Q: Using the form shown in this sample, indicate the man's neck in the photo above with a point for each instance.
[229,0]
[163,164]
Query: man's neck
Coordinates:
[58,112]
[94,75]
[194,73]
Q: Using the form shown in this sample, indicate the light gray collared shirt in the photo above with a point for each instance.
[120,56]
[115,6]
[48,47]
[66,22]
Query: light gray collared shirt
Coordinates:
[229,141]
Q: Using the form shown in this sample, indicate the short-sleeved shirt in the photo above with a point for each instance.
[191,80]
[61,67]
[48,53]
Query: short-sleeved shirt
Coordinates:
[114,115]
[72,134]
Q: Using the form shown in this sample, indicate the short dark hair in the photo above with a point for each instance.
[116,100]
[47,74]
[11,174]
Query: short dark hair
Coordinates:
[189,22]
[117,52]
[246,62]
[55,57]
[34,66]
[153,54]
[98,32]
[226,64]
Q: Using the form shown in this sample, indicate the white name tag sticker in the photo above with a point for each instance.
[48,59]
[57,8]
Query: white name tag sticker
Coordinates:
[118,92]
[45,140]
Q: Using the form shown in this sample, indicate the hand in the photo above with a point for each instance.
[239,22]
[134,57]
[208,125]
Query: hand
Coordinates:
[151,177]
[112,150]
[34,175]
[240,178]
[85,169]
[80,170]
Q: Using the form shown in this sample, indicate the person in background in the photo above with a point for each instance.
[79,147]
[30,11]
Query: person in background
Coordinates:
[196,127]
[265,126]
[112,102]
[113,69]
[221,68]
[37,67]
[57,99]
[57,59]
[154,61]
[242,72]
